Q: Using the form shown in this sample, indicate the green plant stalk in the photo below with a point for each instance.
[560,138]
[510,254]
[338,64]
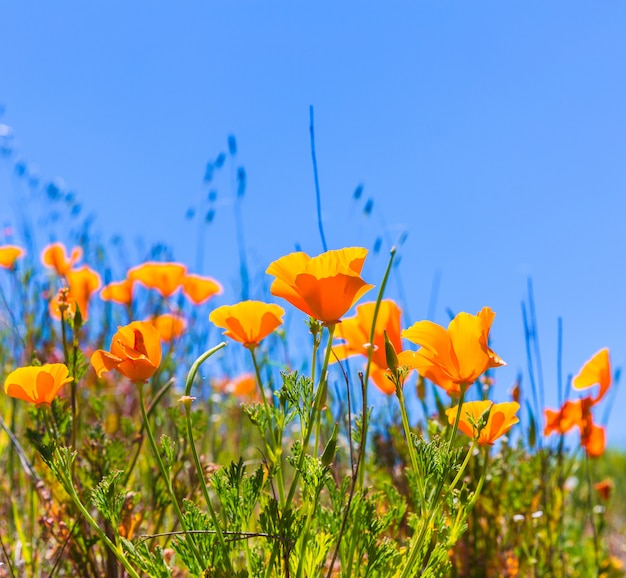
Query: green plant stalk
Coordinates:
[205,491]
[277,450]
[166,479]
[68,485]
[159,394]
[314,414]
[417,543]
[463,465]
[305,532]
[465,512]
[193,370]
[370,351]
[73,383]
[307,436]
[379,298]
[117,551]
[344,522]
[409,440]
[594,530]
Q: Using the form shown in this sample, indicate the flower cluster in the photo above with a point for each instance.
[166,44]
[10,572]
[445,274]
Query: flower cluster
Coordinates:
[80,282]
[577,413]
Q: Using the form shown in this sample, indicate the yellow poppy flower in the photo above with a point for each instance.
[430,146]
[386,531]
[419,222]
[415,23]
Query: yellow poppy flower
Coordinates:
[501,419]
[244,386]
[9,254]
[248,322]
[135,352]
[324,287]
[452,357]
[82,284]
[595,371]
[37,384]
[355,332]
[200,289]
[169,326]
[119,292]
[166,278]
[54,256]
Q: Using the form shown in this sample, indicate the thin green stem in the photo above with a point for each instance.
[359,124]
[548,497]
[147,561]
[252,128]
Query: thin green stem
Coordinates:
[463,465]
[317,402]
[418,542]
[276,450]
[64,476]
[409,439]
[370,352]
[167,480]
[594,530]
[157,396]
[205,490]
[315,412]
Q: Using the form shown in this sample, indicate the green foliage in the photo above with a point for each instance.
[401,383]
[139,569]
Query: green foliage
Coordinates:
[108,497]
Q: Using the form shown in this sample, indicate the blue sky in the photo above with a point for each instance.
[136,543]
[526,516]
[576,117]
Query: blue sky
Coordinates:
[493,134]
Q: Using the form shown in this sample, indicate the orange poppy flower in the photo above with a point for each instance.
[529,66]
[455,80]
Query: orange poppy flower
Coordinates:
[604,488]
[169,326]
[54,256]
[37,384]
[249,321]
[243,386]
[458,355]
[119,292]
[200,289]
[166,278]
[135,352]
[593,438]
[82,284]
[9,254]
[595,371]
[501,419]
[355,332]
[324,287]
[563,420]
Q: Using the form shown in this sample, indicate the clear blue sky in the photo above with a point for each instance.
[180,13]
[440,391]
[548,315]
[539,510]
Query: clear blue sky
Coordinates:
[493,133]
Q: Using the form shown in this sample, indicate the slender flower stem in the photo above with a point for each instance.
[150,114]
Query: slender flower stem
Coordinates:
[417,543]
[168,481]
[463,466]
[409,440]
[205,490]
[277,450]
[64,476]
[314,415]
[315,412]
[370,352]
[594,530]
[157,396]
[116,550]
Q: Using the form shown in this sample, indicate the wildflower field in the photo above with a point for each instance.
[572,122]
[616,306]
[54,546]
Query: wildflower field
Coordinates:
[146,431]
[134,442]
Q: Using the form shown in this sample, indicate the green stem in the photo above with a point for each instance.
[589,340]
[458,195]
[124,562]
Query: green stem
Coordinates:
[463,466]
[116,550]
[157,396]
[418,542]
[594,530]
[205,490]
[409,438]
[307,436]
[370,352]
[64,476]
[167,480]
[277,450]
